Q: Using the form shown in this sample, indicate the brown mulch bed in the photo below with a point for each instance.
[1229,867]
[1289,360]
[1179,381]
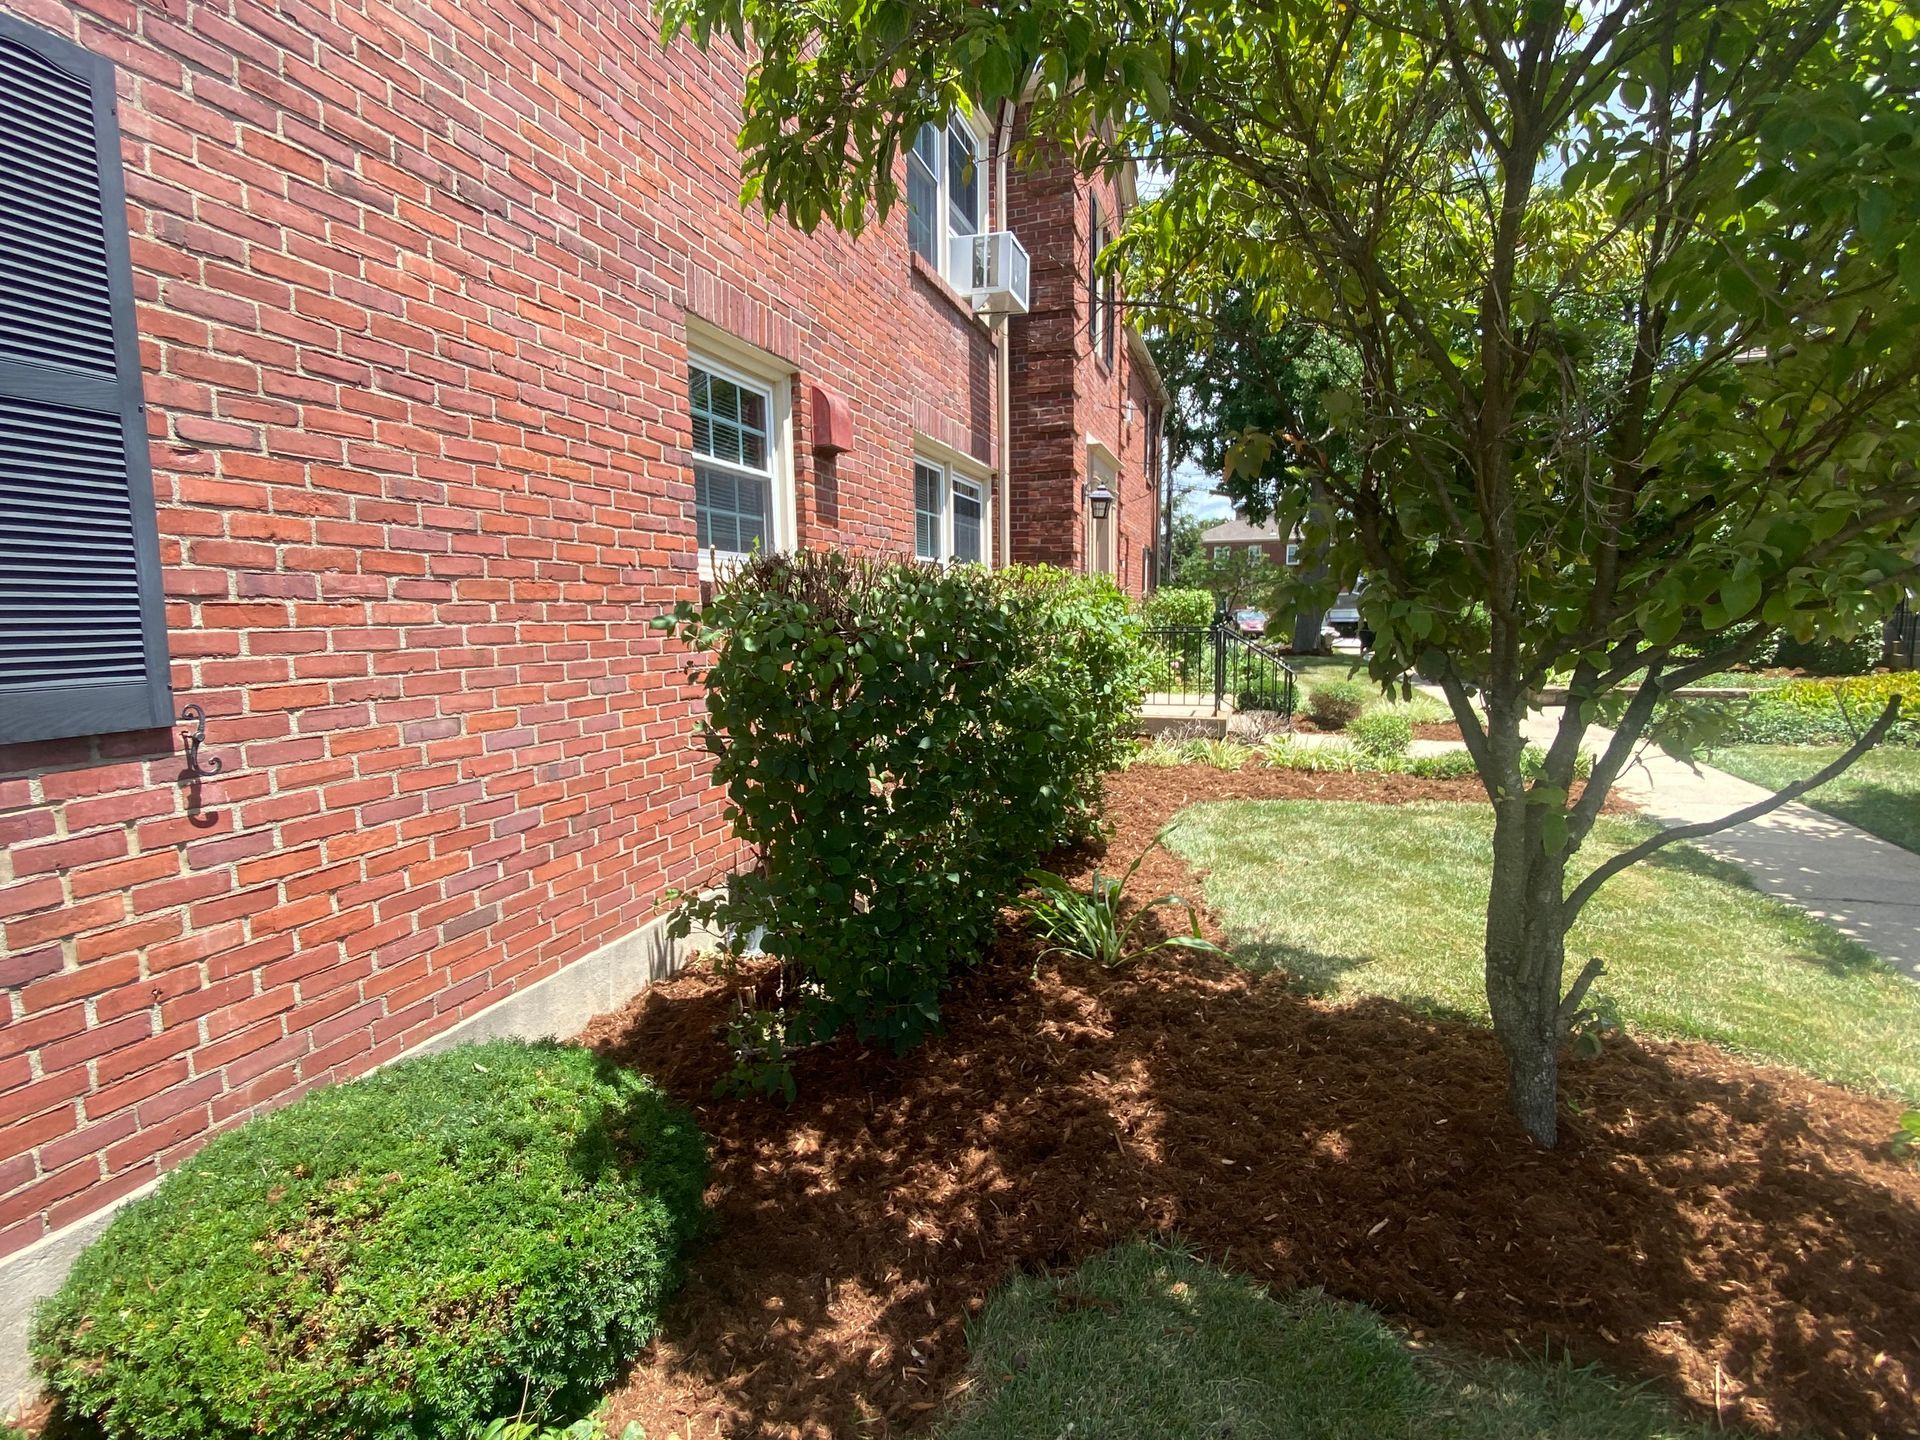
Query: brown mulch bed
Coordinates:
[1728,1230]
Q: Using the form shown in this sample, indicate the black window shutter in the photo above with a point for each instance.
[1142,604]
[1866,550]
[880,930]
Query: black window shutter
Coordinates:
[83,640]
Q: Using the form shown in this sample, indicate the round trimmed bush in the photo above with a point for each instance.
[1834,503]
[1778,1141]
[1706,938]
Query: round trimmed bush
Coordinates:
[405,1255]
[1382,733]
[1336,704]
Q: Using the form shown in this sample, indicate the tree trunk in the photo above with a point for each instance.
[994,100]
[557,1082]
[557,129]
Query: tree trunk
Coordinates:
[1526,949]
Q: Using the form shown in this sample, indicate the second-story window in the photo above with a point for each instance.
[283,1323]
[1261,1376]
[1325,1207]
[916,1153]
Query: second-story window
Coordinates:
[946,196]
[1100,301]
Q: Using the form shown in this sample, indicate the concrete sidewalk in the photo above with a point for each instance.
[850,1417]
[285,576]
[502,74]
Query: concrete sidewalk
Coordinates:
[1858,883]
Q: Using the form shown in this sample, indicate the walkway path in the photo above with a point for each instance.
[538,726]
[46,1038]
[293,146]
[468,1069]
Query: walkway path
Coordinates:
[1861,885]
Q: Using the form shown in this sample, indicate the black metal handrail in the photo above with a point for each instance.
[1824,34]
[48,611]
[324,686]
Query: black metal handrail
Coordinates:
[1253,674]
[1220,663]
[1903,637]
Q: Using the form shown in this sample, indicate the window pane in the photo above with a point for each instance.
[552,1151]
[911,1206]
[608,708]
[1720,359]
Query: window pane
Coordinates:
[923,195]
[929,485]
[963,179]
[730,511]
[730,421]
[967,514]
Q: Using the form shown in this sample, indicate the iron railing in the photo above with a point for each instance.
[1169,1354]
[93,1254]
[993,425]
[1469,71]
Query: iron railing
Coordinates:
[1903,637]
[1220,665]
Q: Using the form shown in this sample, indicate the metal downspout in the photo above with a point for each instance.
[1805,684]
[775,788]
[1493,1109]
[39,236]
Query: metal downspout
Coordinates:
[1004,360]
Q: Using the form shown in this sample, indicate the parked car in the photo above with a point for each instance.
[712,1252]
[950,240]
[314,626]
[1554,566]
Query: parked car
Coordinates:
[1251,622]
[1344,617]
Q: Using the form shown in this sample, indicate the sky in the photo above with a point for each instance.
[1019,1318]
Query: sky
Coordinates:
[1196,488]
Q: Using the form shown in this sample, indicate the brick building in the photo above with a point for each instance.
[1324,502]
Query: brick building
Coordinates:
[439,358]
[1086,399]
[1238,536]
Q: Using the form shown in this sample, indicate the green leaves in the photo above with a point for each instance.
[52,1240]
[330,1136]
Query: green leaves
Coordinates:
[1093,924]
[898,743]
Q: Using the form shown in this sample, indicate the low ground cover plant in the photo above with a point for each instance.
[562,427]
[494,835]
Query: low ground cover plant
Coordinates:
[487,1231]
[1090,923]
[1812,712]
[899,744]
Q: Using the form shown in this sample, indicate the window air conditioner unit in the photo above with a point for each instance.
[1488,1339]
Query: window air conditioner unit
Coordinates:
[992,269]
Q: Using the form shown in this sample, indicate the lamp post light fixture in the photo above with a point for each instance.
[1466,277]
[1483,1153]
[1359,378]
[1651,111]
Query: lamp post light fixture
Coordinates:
[1100,502]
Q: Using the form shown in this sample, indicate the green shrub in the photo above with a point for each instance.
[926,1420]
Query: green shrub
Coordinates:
[1174,606]
[1085,672]
[489,1230]
[1823,712]
[899,744]
[1840,655]
[1533,763]
[1382,733]
[1447,765]
[1335,704]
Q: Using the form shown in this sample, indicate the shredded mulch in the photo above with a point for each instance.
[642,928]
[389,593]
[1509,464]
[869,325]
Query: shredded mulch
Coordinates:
[1437,730]
[1736,1233]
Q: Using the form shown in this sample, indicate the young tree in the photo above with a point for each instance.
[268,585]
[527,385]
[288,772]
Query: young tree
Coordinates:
[1239,375]
[1633,287]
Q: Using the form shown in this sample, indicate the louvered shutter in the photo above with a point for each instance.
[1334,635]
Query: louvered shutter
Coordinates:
[83,647]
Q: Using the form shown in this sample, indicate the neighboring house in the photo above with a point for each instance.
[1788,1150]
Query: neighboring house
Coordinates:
[1238,536]
[441,357]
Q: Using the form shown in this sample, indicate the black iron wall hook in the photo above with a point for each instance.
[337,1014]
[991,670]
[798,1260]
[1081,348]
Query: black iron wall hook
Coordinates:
[195,767]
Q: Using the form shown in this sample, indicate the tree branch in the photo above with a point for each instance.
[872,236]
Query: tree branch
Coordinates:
[1583,892]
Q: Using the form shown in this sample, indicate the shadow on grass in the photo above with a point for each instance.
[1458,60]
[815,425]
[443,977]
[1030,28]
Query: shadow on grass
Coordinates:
[1820,944]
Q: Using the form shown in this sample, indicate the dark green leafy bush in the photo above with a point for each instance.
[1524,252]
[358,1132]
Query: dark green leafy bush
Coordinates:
[898,744]
[1172,605]
[1815,712]
[1837,655]
[1381,733]
[1335,704]
[487,1231]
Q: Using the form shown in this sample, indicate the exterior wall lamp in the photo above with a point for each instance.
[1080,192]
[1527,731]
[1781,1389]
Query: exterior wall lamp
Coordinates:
[1100,502]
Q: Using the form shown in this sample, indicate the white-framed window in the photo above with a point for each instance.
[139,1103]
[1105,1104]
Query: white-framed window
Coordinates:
[1221,552]
[741,453]
[1100,299]
[1293,552]
[949,514]
[946,194]
[1259,557]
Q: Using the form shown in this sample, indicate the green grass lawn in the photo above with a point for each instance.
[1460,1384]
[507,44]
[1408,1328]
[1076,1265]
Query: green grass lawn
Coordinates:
[1145,1342]
[1356,899]
[1880,793]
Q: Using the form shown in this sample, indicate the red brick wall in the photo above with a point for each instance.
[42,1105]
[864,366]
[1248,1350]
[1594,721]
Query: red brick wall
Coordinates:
[1064,391]
[413,283]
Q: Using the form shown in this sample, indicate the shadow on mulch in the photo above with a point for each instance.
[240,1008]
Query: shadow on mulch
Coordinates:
[1725,1229]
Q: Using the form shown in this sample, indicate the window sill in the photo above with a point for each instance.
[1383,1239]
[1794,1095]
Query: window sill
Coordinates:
[924,268]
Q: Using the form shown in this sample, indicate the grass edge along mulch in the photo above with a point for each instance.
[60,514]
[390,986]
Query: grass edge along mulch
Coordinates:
[1713,1226]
